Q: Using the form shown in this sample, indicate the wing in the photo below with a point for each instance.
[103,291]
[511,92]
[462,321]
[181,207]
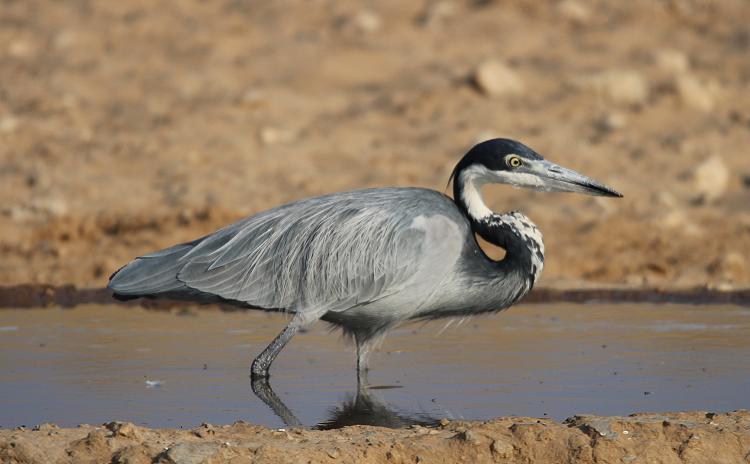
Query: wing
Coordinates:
[331,253]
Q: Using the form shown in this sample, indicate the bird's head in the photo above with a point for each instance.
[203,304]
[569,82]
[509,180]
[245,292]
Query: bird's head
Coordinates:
[506,161]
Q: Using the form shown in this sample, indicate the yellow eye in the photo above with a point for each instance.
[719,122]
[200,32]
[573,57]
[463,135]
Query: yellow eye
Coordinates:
[514,161]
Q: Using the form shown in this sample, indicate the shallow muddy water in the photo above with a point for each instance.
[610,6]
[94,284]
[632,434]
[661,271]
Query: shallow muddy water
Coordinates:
[95,363]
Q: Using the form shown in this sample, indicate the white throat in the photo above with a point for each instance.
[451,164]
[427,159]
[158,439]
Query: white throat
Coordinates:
[473,179]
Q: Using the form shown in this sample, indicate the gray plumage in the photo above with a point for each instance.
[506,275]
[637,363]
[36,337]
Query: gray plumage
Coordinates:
[364,260]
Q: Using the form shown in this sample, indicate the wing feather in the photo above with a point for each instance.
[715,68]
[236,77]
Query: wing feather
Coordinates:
[332,252]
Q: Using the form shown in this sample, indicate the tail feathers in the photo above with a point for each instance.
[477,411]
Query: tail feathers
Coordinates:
[120,297]
[150,275]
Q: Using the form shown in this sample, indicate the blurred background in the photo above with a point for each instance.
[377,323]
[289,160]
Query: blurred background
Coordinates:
[130,126]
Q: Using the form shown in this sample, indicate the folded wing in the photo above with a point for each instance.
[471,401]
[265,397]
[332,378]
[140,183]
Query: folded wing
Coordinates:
[331,252]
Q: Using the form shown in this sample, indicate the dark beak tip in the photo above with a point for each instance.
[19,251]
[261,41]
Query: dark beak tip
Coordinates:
[605,191]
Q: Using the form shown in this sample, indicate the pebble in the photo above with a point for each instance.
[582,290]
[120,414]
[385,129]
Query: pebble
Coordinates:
[574,11]
[21,48]
[623,87]
[711,178]
[502,448]
[677,218]
[45,427]
[17,213]
[437,12]
[65,39]
[53,206]
[665,199]
[694,94]
[192,453]
[133,454]
[254,98]
[733,265]
[673,219]
[8,124]
[468,436]
[206,430]
[273,135]
[495,79]
[611,122]
[123,429]
[671,61]
[367,21]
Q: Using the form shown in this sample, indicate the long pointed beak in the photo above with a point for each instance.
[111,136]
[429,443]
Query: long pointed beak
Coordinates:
[559,179]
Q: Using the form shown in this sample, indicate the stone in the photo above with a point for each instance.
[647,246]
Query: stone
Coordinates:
[367,21]
[732,265]
[711,178]
[95,443]
[190,453]
[611,122]
[623,87]
[273,135]
[205,431]
[437,12]
[123,429]
[677,218]
[664,199]
[18,213]
[574,11]
[21,48]
[45,427]
[9,124]
[693,93]
[133,454]
[502,448]
[469,436]
[65,39]
[674,219]
[671,61]
[54,206]
[495,79]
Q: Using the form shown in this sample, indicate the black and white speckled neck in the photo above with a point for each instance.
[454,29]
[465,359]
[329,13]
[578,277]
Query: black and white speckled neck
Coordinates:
[521,239]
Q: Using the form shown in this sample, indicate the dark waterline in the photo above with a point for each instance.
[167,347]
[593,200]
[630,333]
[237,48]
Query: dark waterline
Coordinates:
[69,296]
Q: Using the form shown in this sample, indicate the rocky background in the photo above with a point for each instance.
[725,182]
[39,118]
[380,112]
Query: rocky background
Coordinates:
[130,126]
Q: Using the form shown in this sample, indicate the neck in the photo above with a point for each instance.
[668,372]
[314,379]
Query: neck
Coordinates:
[467,193]
[514,232]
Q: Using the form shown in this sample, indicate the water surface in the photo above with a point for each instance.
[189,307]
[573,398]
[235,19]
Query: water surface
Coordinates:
[98,363]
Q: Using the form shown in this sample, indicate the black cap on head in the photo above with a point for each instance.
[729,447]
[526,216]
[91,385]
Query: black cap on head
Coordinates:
[491,153]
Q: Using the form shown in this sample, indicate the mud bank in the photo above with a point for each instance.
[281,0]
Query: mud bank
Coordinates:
[693,437]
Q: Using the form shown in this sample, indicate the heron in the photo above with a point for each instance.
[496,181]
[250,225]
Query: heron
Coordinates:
[369,260]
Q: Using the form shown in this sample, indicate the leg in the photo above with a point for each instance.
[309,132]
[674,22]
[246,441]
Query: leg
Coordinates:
[259,368]
[366,342]
[363,354]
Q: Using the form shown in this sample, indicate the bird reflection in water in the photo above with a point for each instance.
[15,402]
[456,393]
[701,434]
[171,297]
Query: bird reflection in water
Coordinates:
[361,408]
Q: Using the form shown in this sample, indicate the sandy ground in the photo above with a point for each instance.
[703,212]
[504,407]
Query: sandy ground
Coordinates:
[697,437]
[129,126]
